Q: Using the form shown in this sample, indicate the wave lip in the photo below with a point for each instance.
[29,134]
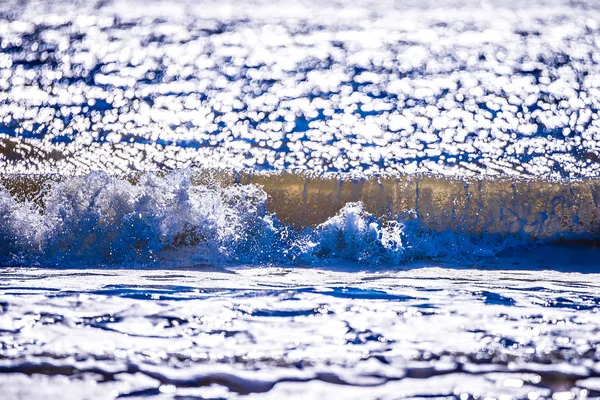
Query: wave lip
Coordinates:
[193,217]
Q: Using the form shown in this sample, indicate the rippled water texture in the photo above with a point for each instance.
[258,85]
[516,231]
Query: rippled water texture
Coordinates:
[304,333]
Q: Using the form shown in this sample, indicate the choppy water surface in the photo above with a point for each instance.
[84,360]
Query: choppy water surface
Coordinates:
[302,333]
[299,200]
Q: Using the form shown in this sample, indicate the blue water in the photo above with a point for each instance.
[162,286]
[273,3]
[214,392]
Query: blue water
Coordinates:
[271,199]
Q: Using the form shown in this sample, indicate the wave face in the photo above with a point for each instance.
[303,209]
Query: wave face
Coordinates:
[187,218]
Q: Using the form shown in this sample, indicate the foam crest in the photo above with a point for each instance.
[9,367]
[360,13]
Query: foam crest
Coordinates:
[355,234]
[101,219]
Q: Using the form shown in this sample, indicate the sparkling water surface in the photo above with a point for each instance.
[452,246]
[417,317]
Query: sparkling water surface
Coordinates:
[303,333]
[459,88]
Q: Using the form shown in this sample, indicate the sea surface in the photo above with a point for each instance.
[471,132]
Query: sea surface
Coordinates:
[299,199]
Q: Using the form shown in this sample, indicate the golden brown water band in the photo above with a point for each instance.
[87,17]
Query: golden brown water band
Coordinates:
[539,209]
[536,208]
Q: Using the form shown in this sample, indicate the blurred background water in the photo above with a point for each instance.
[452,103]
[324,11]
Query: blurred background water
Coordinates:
[367,199]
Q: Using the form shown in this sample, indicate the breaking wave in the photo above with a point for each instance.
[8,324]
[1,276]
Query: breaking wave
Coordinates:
[186,218]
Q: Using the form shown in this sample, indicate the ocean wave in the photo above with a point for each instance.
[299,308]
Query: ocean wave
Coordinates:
[192,217]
